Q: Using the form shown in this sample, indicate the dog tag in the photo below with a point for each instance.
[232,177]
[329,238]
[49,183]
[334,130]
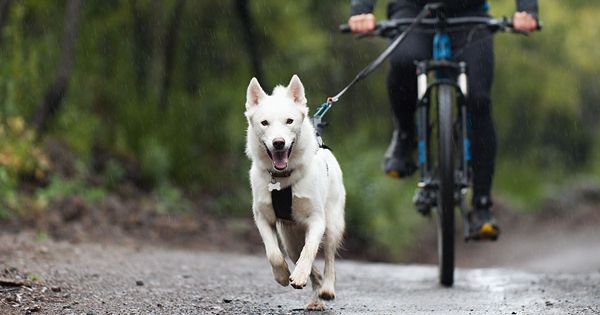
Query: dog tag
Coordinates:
[276,186]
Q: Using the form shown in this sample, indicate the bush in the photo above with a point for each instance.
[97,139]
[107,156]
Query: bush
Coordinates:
[20,160]
[20,156]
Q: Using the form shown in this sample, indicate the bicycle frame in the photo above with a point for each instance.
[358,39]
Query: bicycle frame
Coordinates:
[445,73]
[443,184]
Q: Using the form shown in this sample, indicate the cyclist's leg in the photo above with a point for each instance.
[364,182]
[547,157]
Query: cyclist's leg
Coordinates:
[480,60]
[402,92]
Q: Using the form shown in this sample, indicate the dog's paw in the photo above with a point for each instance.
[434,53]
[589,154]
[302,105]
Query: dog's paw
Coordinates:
[299,278]
[315,306]
[282,274]
[327,294]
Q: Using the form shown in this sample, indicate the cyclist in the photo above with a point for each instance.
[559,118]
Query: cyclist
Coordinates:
[402,90]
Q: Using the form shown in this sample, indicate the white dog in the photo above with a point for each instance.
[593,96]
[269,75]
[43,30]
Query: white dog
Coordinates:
[285,153]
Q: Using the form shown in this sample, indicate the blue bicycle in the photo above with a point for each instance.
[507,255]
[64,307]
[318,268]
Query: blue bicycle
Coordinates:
[444,159]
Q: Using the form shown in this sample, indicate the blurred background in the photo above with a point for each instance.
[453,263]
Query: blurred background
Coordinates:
[124,119]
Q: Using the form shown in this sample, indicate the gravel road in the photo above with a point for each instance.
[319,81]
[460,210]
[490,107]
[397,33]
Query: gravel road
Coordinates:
[123,279]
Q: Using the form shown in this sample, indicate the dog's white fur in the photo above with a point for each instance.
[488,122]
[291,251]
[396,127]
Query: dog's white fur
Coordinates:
[317,186]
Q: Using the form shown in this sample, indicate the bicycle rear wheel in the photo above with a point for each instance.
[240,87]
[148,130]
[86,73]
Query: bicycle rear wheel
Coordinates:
[445,222]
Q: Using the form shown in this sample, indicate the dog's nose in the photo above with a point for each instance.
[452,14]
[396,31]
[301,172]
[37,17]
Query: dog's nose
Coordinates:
[278,143]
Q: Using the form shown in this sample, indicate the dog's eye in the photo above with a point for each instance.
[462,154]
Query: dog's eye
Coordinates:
[264,123]
[289,121]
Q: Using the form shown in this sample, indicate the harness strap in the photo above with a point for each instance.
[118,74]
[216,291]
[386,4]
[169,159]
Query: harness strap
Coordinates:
[282,203]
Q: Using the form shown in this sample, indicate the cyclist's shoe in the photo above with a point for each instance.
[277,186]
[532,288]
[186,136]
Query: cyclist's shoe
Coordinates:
[398,160]
[482,224]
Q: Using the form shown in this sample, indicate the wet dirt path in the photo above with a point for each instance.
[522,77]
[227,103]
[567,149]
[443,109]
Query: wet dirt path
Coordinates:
[118,279]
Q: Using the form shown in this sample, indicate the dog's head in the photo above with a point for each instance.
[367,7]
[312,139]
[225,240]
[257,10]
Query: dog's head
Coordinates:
[276,120]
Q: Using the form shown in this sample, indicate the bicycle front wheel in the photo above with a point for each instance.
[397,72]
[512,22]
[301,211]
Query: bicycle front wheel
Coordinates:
[445,222]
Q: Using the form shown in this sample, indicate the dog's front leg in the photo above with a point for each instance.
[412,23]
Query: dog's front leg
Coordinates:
[315,227]
[274,255]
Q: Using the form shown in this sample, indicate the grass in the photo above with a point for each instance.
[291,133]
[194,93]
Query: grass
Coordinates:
[526,184]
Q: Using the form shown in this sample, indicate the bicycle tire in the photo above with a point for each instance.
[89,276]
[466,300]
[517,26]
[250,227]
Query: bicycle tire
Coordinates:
[446,185]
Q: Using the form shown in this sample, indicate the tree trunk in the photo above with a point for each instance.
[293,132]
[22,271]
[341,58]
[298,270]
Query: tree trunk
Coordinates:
[170,53]
[191,61]
[250,39]
[54,95]
[142,45]
[4,9]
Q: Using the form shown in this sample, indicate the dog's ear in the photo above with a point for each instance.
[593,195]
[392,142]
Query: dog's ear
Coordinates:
[296,91]
[254,94]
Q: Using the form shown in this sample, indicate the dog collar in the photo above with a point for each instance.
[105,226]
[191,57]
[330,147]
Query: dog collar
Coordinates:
[276,173]
[273,184]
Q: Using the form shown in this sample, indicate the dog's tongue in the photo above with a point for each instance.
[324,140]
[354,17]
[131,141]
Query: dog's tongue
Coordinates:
[280,159]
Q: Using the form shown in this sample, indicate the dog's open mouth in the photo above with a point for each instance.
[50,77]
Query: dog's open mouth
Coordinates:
[280,158]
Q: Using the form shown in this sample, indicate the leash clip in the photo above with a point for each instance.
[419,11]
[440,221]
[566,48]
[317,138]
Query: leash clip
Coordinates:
[317,119]
[323,108]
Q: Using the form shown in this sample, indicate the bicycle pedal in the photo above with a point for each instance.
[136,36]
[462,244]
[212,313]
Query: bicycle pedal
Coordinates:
[424,211]
[422,202]
[481,238]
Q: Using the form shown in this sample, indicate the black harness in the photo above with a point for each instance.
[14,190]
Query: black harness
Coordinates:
[282,203]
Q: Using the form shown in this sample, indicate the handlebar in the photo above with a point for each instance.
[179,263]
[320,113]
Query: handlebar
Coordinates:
[383,28]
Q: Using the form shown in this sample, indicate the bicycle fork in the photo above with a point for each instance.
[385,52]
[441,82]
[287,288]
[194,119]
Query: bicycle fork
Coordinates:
[426,196]
[464,174]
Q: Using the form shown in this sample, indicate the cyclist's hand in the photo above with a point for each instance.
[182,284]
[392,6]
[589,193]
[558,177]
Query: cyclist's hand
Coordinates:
[523,21]
[362,23]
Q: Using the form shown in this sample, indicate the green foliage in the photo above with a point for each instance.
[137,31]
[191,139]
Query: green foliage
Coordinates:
[545,99]
[525,184]
[59,188]
[19,154]
[35,277]
[8,194]
[155,161]
[20,158]
[595,167]
[114,174]
[378,209]
[169,199]
[41,235]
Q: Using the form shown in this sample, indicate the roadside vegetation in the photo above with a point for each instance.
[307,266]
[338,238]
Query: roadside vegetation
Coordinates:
[152,105]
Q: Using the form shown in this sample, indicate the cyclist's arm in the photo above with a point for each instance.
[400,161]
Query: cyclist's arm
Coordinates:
[362,19]
[529,6]
[362,6]
[526,17]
